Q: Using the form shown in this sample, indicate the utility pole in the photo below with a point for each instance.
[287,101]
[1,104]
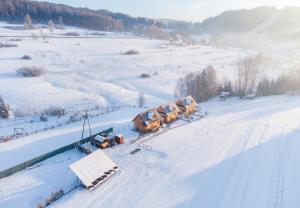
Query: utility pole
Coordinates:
[86,120]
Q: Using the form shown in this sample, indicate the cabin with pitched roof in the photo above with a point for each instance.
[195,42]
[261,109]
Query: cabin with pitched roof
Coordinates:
[148,121]
[169,112]
[187,105]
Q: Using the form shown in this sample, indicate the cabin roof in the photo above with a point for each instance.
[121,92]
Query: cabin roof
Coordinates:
[169,107]
[187,100]
[146,116]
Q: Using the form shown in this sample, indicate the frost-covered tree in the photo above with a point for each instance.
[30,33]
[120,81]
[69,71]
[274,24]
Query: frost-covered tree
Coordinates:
[141,100]
[51,26]
[60,22]
[202,86]
[4,109]
[248,72]
[28,22]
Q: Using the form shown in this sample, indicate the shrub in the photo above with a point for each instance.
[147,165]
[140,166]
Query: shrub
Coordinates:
[72,34]
[16,40]
[131,52]
[31,71]
[144,75]
[97,34]
[8,45]
[55,111]
[26,57]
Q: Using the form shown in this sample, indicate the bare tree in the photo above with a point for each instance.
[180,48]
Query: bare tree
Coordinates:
[28,22]
[202,86]
[60,22]
[248,72]
[141,101]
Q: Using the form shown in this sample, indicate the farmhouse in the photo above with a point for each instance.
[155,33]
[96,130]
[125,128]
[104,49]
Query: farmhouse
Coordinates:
[187,105]
[148,121]
[169,112]
[94,169]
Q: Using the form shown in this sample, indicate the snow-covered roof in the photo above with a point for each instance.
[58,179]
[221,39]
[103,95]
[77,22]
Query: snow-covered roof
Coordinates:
[224,93]
[99,138]
[187,101]
[94,169]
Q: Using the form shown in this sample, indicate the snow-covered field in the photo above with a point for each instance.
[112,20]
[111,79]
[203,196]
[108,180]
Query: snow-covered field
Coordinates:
[93,70]
[243,154]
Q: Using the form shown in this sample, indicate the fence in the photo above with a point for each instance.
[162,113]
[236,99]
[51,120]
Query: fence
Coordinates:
[74,116]
[24,165]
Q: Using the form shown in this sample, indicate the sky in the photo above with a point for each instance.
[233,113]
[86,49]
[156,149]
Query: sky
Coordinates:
[189,10]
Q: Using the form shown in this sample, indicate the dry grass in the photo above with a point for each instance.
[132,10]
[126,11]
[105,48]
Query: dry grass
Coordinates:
[131,52]
[8,45]
[31,71]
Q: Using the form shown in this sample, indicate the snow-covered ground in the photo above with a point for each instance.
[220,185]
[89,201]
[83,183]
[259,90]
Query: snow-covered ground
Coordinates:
[93,70]
[243,154]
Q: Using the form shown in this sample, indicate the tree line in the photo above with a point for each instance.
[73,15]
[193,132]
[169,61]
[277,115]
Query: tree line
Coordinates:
[42,12]
[249,80]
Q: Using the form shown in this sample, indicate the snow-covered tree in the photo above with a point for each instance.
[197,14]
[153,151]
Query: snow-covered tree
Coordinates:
[202,86]
[28,22]
[51,26]
[60,22]
[4,109]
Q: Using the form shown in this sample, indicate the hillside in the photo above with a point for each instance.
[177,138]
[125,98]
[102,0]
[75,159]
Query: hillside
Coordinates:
[42,12]
[261,19]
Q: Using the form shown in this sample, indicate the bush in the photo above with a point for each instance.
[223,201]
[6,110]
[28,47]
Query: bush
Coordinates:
[97,34]
[131,52]
[15,40]
[55,111]
[31,71]
[8,45]
[144,75]
[72,34]
[26,57]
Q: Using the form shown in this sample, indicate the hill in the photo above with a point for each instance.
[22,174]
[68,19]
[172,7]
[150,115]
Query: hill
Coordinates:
[42,12]
[260,19]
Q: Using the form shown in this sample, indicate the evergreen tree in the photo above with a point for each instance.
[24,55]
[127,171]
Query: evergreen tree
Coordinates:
[4,109]
[28,22]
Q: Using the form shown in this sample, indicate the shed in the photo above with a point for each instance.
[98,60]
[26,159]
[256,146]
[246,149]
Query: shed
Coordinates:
[148,121]
[187,105]
[224,95]
[169,112]
[94,169]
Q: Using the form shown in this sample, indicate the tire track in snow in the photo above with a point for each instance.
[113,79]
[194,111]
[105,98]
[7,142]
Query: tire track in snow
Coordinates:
[283,155]
[243,167]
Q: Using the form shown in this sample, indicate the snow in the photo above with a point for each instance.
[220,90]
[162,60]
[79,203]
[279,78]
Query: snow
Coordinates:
[93,70]
[243,154]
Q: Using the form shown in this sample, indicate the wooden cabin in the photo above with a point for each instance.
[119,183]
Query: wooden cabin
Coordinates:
[187,105]
[169,112]
[148,121]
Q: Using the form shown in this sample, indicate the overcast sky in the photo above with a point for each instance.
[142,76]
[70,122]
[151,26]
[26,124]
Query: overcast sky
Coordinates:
[190,10]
